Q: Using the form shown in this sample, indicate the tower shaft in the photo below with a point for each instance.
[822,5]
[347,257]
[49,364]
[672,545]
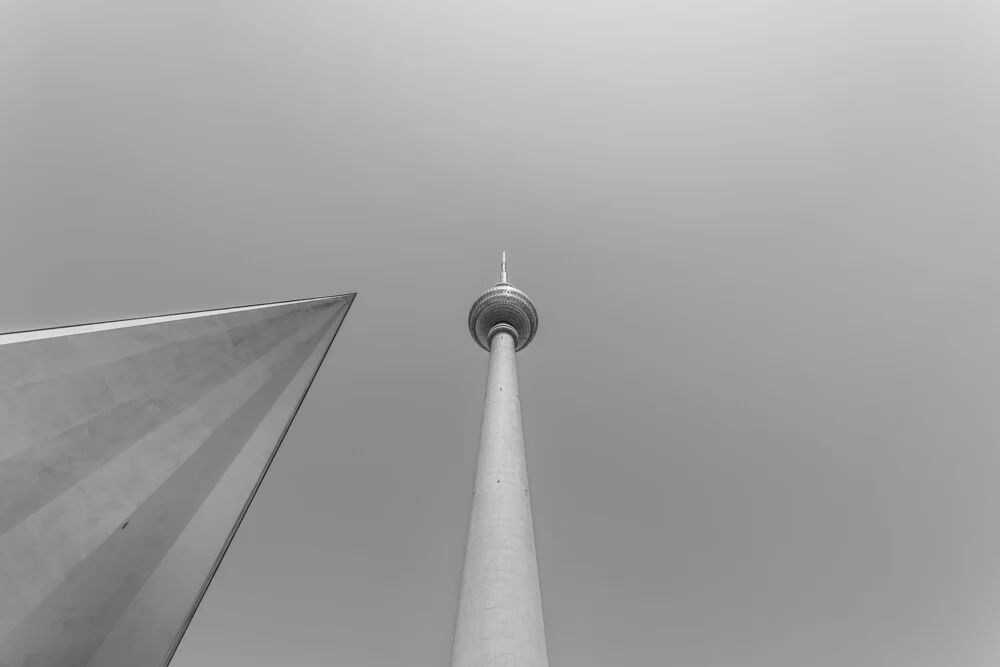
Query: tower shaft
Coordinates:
[500,607]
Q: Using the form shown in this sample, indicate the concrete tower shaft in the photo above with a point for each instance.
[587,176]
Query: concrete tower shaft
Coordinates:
[500,607]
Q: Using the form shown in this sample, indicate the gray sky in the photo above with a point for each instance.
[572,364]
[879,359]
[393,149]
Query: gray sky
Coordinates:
[761,410]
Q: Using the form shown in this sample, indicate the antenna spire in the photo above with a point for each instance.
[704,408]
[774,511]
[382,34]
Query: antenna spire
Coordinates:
[503,266]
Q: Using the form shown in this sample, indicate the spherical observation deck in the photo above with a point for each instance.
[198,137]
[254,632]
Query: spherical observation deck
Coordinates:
[503,307]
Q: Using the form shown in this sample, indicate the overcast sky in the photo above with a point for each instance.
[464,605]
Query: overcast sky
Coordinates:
[761,413]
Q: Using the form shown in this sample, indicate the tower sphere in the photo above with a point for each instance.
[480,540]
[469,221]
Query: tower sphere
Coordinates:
[503,307]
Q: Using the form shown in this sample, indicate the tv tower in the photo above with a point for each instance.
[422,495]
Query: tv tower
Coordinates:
[500,606]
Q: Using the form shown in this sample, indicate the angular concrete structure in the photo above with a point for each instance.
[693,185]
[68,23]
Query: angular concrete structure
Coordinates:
[129,452]
[500,607]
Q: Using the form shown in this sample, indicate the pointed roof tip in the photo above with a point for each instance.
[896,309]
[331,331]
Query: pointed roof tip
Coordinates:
[24,335]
